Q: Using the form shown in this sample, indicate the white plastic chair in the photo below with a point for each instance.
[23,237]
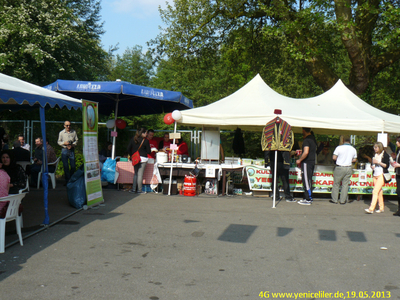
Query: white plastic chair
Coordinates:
[23,165]
[12,214]
[52,175]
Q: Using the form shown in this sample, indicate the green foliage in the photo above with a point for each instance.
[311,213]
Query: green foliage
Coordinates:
[385,90]
[133,66]
[43,40]
[300,48]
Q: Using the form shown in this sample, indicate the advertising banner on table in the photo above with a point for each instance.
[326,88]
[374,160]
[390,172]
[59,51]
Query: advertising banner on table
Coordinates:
[94,191]
[260,179]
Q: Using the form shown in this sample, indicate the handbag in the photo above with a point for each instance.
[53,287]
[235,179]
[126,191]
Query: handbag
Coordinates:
[136,156]
[388,177]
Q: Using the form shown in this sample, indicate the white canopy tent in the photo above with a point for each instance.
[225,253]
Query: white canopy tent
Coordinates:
[336,111]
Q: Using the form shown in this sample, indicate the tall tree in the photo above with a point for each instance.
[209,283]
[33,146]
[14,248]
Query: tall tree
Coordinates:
[212,74]
[43,40]
[367,29]
[133,66]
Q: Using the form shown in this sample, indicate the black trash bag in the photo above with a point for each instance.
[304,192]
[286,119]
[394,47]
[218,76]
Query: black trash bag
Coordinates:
[76,189]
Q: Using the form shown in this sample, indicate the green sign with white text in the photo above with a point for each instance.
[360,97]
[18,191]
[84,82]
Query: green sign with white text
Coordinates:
[94,193]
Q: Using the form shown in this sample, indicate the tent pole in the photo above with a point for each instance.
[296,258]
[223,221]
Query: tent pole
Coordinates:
[274,183]
[45,180]
[172,162]
[115,129]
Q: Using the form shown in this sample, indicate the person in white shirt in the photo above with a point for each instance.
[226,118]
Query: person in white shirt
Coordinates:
[68,140]
[344,156]
[21,139]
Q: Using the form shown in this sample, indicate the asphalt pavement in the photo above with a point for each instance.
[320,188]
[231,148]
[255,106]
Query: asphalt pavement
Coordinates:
[154,246]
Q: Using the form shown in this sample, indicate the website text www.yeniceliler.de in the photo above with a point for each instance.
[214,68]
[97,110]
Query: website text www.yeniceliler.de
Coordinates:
[326,295]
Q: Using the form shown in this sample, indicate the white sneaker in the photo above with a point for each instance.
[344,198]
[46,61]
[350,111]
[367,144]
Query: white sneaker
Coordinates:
[304,202]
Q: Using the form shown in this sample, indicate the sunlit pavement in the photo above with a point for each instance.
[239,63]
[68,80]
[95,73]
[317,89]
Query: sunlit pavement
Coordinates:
[154,246]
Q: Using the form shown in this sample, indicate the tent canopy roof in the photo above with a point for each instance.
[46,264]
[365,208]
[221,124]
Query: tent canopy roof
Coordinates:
[14,92]
[133,99]
[335,111]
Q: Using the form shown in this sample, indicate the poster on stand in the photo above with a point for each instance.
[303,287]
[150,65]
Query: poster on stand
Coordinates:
[94,193]
[361,182]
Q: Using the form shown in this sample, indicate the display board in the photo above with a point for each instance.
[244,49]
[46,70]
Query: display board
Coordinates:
[361,182]
[94,191]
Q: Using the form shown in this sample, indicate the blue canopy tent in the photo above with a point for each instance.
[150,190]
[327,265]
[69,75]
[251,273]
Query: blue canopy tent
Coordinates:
[124,98]
[15,92]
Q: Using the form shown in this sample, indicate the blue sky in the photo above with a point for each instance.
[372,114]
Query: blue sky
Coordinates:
[130,22]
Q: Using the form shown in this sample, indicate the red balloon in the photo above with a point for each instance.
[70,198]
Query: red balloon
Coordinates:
[121,124]
[168,119]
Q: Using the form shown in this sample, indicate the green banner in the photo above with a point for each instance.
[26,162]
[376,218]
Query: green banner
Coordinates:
[260,179]
[94,192]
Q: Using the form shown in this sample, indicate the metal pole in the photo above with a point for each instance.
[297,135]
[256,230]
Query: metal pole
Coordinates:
[115,128]
[274,183]
[172,162]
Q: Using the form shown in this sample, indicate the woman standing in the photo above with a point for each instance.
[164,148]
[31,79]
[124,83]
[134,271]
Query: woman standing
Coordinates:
[15,171]
[396,165]
[141,144]
[380,166]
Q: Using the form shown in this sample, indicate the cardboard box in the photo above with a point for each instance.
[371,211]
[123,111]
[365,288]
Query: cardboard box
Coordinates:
[174,188]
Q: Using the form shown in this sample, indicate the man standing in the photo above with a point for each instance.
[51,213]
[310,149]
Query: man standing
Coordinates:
[68,139]
[282,172]
[344,156]
[307,163]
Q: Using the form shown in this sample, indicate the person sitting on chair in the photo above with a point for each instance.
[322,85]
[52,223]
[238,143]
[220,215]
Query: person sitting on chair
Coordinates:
[25,146]
[4,183]
[20,153]
[15,171]
[38,160]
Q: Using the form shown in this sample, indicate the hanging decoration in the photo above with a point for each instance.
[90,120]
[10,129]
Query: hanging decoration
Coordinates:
[110,124]
[168,119]
[176,115]
[121,124]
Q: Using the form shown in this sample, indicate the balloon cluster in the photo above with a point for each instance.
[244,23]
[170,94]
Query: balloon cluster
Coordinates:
[121,124]
[170,118]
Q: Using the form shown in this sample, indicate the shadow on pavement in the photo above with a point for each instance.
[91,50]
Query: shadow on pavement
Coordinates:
[59,208]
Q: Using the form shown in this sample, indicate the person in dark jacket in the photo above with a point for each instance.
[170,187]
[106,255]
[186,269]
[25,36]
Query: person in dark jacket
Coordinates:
[20,153]
[139,142]
[282,172]
[15,171]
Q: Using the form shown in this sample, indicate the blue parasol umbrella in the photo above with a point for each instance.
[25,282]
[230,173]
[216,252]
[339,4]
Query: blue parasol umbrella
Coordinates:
[129,99]
[124,98]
